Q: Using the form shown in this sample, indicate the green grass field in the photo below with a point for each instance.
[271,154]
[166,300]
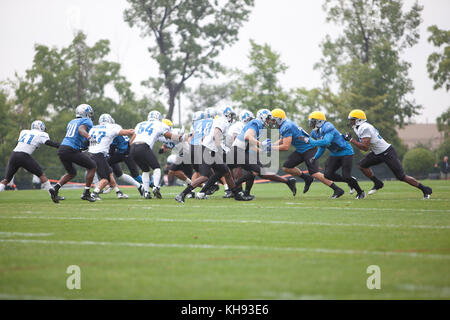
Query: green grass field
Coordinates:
[276,247]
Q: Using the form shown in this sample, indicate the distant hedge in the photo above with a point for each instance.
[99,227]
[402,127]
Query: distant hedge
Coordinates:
[418,162]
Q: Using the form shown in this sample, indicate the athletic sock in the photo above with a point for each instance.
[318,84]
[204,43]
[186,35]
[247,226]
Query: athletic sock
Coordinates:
[225,186]
[354,185]
[421,187]
[138,179]
[188,181]
[156,177]
[129,180]
[87,190]
[188,190]
[46,185]
[249,184]
[57,187]
[211,181]
[97,190]
[116,189]
[146,180]
[376,181]
[334,186]
[2,187]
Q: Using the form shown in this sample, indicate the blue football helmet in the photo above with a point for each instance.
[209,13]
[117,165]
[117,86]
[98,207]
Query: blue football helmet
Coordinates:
[246,116]
[38,125]
[106,118]
[84,111]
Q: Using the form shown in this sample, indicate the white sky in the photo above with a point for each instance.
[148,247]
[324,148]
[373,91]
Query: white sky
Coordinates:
[293,28]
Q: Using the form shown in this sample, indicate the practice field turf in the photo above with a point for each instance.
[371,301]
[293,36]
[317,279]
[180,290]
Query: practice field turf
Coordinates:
[275,247]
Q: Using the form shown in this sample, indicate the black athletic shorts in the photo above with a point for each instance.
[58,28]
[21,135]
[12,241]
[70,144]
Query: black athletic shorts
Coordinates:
[103,167]
[144,157]
[22,160]
[389,157]
[206,166]
[295,158]
[245,160]
[196,156]
[334,163]
[69,156]
[186,168]
[116,158]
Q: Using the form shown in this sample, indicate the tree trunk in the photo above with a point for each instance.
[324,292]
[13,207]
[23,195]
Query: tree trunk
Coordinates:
[172,96]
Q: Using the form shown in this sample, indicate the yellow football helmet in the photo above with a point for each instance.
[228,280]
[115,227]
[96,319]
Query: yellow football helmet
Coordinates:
[278,117]
[316,119]
[358,116]
[168,122]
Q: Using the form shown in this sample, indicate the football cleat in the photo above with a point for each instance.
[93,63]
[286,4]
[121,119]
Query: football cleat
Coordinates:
[191,195]
[107,190]
[180,198]
[291,184]
[247,194]
[228,194]
[157,193]
[240,196]
[121,195]
[213,189]
[308,181]
[147,195]
[352,191]
[337,193]
[61,198]
[201,196]
[375,188]
[95,196]
[53,195]
[427,193]
[141,190]
[361,195]
[87,196]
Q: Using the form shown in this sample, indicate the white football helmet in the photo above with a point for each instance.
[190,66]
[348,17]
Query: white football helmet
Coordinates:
[263,115]
[84,111]
[210,113]
[154,115]
[228,113]
[106,118]
[246,116]
[38,125]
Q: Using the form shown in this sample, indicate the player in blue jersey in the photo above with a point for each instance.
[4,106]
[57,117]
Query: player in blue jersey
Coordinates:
[325,136]
[69,152]
[291,134]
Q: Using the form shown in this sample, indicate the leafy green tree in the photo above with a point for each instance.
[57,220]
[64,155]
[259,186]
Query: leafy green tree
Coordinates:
[438,65]
[418,162]
[443,123]
[189,35]
[365,64]
[443,150]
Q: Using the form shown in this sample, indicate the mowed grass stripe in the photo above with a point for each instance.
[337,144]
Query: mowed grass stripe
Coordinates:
[299,223]
[229,247]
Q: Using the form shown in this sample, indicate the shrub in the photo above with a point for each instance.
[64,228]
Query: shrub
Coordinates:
[418,162]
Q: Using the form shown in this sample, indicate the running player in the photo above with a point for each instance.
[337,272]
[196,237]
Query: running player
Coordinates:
[146,134]
[291,134]
[69,152]
[324,135]
[368,138]
[28,142]
[102,135]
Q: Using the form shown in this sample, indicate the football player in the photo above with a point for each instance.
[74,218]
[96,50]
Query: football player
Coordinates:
[145,136]
[213,154]
[368,138]
[102,135]
[28,142]
[246,148]
[69,152]
[324,135]
[291,134]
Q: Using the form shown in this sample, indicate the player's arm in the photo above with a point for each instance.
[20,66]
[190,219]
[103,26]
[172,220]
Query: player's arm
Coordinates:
[132,139]
[325,142]
[83,131]
[250,136]
[51,143]
[217,137]
[284,144]
[126,132]
[363,145]
[320,152]
[174,136]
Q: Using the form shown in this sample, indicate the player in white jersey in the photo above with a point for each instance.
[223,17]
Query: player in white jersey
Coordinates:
[214,148]
[368,138]
[28,142]
[146,134]
[102,135]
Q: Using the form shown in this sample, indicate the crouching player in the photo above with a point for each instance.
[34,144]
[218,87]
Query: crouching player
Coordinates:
[381,151]
[325,135]
[29,141]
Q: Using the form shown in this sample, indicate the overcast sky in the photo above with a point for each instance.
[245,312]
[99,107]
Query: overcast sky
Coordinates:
[293,28]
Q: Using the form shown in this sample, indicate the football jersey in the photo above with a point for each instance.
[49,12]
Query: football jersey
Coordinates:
[200,129]
[102,136]
[254,124]
[327,136]
[30,140]
[377,143]
[150,131]
[234,130]
[290,129]
[121,143]
[73,138]
[222,124]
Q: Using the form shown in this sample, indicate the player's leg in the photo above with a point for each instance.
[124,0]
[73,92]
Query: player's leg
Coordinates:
[290,167]
[152,161]
[32,166]
[368,161]
[11,169]
[137,152]
[347,162]
[65,155]
[393,162]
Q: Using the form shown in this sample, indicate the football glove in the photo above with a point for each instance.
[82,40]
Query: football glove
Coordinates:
[347,136]
[267,145]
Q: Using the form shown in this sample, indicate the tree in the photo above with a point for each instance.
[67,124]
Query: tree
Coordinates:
[364,62]
[189,34]
[443,123]
[210,95]
[438,65]
[418,162]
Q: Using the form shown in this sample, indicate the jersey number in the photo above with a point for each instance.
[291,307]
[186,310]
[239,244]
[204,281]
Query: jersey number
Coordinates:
[98,136]
[71,128]
[22,138]
[149,129]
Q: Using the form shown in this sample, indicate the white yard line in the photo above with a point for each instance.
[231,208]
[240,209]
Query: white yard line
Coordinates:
[7,296]
[23,234]
[299,223]
[230,247]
